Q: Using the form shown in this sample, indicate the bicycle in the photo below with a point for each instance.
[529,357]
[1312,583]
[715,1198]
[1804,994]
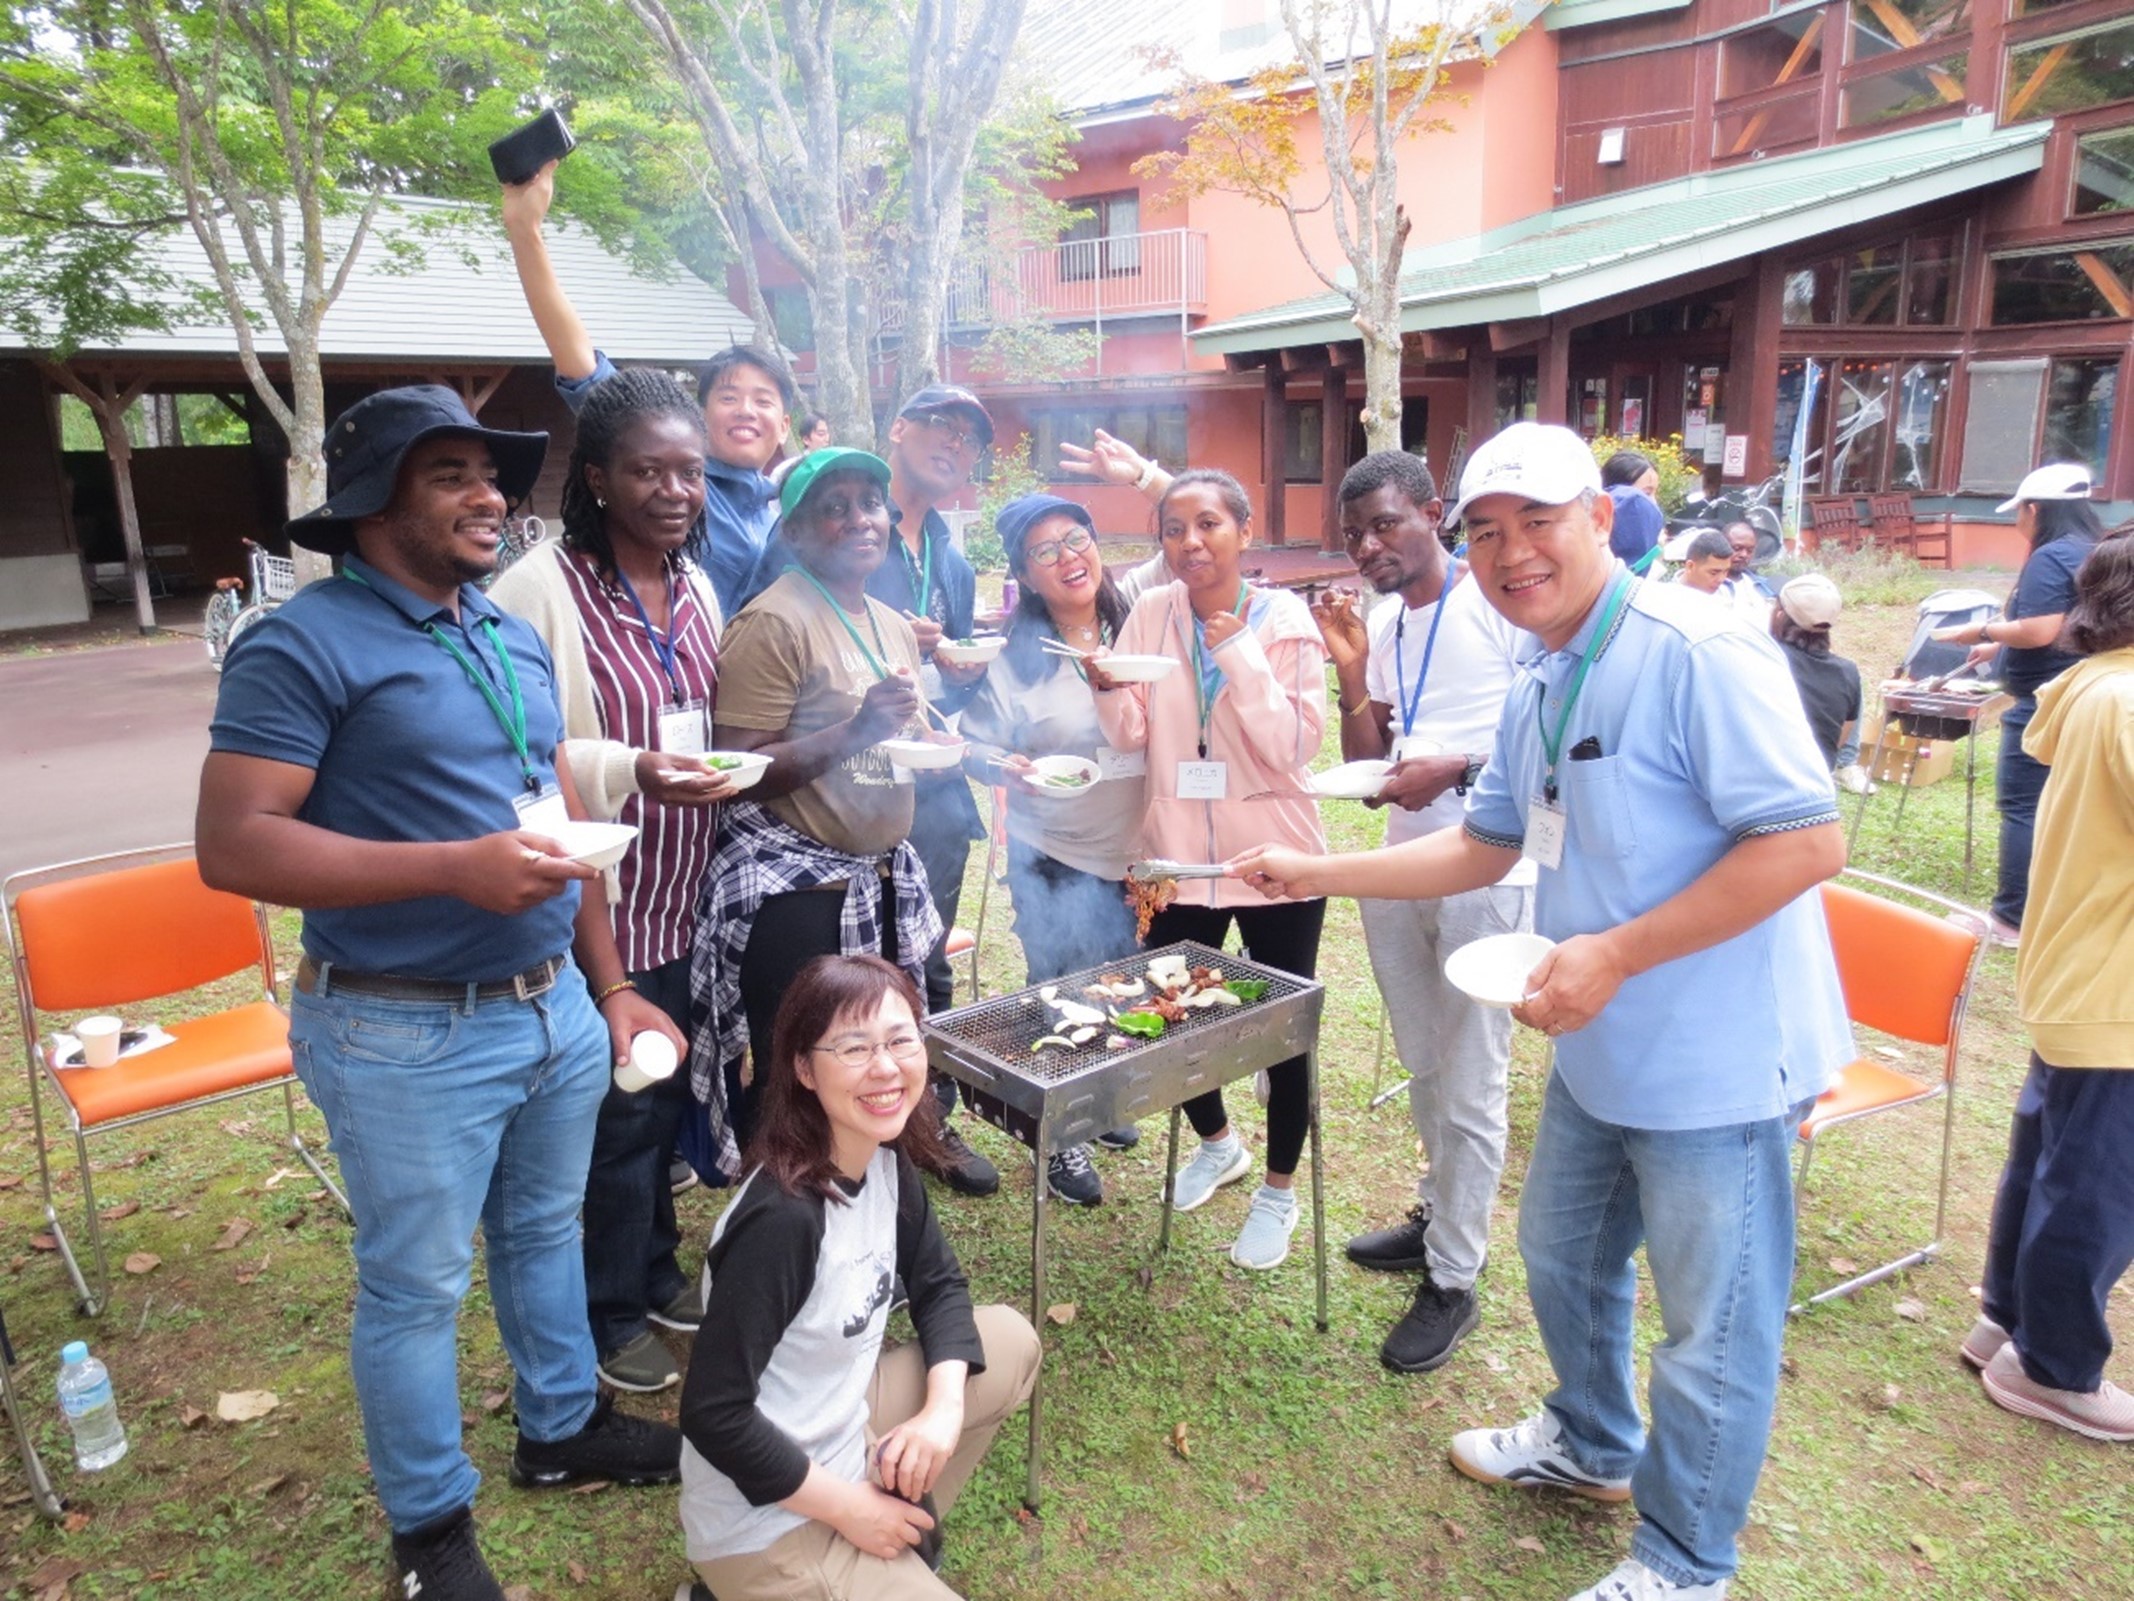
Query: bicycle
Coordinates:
[238,603]
[520,535]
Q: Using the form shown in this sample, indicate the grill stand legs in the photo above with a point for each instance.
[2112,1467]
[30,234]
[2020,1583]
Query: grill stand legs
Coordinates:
[1031,1493]
[1170,1179]
[1311,1069]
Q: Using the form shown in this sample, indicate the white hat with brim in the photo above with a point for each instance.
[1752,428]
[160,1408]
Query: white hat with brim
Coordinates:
[1811,600]
[1539,462]
[2059,480]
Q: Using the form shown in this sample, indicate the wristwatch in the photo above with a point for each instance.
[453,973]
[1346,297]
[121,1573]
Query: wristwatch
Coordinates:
[1475,764]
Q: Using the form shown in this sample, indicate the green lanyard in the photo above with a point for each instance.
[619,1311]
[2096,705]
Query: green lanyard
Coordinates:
[1201,692]
[922,577]
[878,663]
[512,722]
[1103,638]
[1552,746]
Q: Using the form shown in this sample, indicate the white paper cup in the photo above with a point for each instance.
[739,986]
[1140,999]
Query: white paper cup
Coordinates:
[100,1040]
[652,1058]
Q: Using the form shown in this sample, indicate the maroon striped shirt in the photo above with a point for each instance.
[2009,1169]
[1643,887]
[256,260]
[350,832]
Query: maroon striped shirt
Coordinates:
[661,875]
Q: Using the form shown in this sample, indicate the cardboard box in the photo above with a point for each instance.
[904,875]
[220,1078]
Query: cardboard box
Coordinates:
[1936,758]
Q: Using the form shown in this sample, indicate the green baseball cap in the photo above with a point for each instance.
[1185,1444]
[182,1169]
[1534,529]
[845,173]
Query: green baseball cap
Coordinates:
[817,462]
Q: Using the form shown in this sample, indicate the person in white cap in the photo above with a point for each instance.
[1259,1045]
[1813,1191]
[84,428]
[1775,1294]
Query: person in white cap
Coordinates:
[1829,684]
[1691,997]
[2054,516]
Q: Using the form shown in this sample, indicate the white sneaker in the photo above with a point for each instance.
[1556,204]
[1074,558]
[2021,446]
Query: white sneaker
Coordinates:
[1207,1172]
[1263,1242]
[1853,780]
[1634,1581]
[1983,1343]
[2105,1413]
[1527,1455]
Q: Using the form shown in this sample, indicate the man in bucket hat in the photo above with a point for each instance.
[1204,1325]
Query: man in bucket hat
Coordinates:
[383,756]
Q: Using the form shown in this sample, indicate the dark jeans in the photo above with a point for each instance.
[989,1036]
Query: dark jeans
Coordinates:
[2063,1222]
[1066,919]
[630,1232]
[941,835]
[2018,782]
[789,931]
[1284,936]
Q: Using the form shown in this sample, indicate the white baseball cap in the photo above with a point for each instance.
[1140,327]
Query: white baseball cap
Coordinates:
[1538,462]
[2059,480]
[1811,600]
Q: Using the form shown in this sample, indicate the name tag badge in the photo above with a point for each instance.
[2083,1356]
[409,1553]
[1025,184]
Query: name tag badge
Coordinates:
[1202,780]
[543,813]
[682,729]
[1545,825]
[1121,763]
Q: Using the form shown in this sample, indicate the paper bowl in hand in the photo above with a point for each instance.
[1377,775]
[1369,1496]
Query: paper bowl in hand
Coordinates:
[923,755]
[652,1058]
[591,844]
[1351,780]
[970,652]
[1064,774]
[740,768]
[1137,669]
[1495,970]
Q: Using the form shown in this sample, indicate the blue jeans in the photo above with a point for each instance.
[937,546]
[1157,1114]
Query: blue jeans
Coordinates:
[1714,1210]
[2018,781]
[445,1116]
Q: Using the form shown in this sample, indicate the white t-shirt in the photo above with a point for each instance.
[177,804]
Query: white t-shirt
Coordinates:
[1472,665]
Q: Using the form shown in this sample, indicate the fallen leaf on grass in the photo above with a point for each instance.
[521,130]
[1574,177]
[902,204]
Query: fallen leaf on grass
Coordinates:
[18,1264]
[14,1183]
[143,1262]
[242,1406]
[1891,1395]
[269,1486]
[1911,1310]
[1526,1542]
[233,1234]
[1025,1516]
[1179,1442]
[190,1417]
[1061,1313]
[236,1127]
[493,1401]
[1144,1277]
[1927,1477]
[75,1522]
[43,1242]
[177,1211]
[280,1174]
[1496,1363]
[48,1581]
[592,1487]
[576,1570]
[1845,1265]
[251,1271]
[1970,1487]
[519,1592]
[1454,1532]
[112,1214]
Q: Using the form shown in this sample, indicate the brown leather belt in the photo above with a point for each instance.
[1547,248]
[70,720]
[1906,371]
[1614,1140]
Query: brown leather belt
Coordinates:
[536,980]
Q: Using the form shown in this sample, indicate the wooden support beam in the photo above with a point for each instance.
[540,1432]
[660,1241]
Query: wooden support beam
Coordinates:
[1753,129]
[1505,336]
[2019,102]
[1752,364]
[2107,282]
[1553,386]
[1274,432]
[1481,392]
[1304,358]
[1333,456]
[1443,345]
[477,388]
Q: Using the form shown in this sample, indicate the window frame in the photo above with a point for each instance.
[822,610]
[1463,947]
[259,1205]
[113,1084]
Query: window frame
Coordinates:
[2069,248]
[1113,253]
[2047,39]
[2121,130]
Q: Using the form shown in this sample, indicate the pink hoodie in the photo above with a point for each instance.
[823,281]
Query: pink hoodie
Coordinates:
[1268,718]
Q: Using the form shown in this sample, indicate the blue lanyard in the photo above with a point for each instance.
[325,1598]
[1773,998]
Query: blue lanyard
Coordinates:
[1410,703]
[662,644]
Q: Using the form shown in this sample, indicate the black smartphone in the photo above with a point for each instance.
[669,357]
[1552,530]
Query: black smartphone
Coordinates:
[525,151]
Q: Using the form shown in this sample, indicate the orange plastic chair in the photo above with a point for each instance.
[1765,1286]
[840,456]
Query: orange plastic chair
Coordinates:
[110,932]
[1907,973]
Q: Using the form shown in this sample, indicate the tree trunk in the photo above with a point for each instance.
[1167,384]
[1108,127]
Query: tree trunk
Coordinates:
[840,360]
[307,450]
[1381,390]
[1378,305]
[111,422]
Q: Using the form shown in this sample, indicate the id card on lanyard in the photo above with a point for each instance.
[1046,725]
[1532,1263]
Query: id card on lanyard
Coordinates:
[1547,823]
[1204,779]
[683,724]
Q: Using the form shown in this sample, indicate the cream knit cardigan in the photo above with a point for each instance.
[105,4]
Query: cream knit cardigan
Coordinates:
[604,770]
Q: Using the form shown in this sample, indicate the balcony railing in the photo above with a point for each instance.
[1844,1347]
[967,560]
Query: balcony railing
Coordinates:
[1160,273]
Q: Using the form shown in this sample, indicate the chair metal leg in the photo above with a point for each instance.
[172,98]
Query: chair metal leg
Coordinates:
[1887,1270]
[42,1495]
[92,1303]
[303,1151]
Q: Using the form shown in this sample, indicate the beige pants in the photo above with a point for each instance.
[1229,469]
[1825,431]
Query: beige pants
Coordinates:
[813,1562]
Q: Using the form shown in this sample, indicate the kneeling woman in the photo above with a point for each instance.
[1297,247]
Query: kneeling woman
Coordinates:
[810,1451]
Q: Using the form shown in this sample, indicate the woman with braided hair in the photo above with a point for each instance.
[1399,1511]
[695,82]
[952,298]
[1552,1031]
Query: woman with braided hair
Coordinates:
[633,625]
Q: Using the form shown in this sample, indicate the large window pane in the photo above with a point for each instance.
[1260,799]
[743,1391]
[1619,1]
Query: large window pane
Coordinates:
[2065,286]
[1928,278]
[1921,407]
[2060,75]
[1770,124]
[1874,278]
[2078,412]
[1762,58]
[1811,296]
[1157,431]
[1881,26]
[1906,91]
[2104,172]
[1860,424]
[1792,383]
[1302,459]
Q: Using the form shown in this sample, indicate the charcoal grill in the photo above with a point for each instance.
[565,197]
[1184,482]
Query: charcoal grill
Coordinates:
[1054,1098]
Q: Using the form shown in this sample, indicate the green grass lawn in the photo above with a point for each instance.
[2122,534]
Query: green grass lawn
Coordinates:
[1307,1470]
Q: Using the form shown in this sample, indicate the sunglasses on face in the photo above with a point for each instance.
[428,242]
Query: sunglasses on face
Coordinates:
[1048,553]
[952,433]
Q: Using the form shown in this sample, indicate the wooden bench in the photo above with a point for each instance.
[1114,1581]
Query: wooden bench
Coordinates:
[1837,523]
[1896,526]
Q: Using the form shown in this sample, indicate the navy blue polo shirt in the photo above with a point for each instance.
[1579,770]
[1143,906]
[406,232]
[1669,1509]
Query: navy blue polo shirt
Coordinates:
[345,681]
[2045,587]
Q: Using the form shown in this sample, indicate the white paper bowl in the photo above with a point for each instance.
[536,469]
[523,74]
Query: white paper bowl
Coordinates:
[1058,767]
[741,777]
[976,654]
[922,755]
[592,844]
[652,1058]
[1495,970]
[1137,669]
[1351,780]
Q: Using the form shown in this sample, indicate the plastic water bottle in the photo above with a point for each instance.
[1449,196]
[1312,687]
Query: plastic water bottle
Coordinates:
[92,1413]
[1010,594]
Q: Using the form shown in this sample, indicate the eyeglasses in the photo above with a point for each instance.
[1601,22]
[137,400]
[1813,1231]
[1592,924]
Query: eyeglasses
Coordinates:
[1048,553]
[953,433]
[903,1049]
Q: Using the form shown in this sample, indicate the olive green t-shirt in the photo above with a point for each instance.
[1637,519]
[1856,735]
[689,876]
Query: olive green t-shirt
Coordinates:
[788,664]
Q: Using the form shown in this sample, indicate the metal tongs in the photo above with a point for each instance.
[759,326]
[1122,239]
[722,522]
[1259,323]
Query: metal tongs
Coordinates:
[1164,867]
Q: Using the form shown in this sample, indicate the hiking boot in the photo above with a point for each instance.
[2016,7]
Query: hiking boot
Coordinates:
[1431,1331]
[1263,1242]
[965,1171]
[1398,1249]
[1123,1138]
[681,1176]
[1529,1456]
[441,1562]
[684,1312]
[1983,1343]
[2105,1413]
[1633,1581]
[1071,1178]
[641,1367]
[1208,1171]
[613,1446]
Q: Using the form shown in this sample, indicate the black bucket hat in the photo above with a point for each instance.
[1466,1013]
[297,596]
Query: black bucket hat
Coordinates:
[366,444]
[938,400]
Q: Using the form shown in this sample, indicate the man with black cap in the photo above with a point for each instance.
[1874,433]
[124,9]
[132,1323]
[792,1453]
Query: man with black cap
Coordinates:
[383,756]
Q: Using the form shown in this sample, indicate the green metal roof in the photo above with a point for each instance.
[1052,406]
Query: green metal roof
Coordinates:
[1579,13]
[1558,260]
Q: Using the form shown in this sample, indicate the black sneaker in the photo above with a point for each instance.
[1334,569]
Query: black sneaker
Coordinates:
[694,1590]
[1435,1325]
[966,1172]
[681,1176]
[441,1562]
[1123,1138]
[1071,1178]
[1398,1249]
[613,1446]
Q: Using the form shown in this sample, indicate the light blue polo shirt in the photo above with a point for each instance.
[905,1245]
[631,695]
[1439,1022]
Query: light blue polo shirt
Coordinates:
[1703,744]
[343,680]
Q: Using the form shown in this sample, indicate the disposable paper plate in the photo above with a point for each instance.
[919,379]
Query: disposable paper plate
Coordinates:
[1495,970]
[1065,774]
[750,766]
[971,655]
[1137,669]
[593,844]
[922,754]
[1351,780]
